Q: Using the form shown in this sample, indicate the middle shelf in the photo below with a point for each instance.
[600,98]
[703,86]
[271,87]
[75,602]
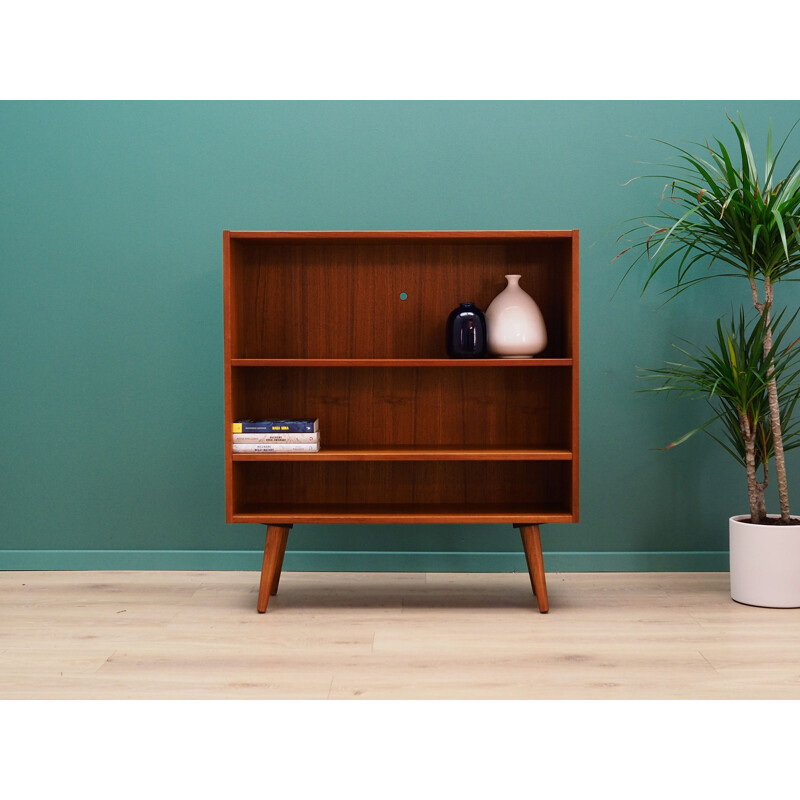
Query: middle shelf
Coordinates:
[417,413]
[402,362]
[415,453]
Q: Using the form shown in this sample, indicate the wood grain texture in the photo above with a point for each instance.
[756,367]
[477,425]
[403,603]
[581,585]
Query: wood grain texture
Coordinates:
[453,363]
[409,406]
[274,549]
[315,327]
[276,576]
[532,545]
[194,635]
[397,513]
[573,348]
[439,487]
[335,299]
[414,453]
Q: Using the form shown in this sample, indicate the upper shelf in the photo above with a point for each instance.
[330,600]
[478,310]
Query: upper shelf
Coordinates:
[370,298]
[401,362]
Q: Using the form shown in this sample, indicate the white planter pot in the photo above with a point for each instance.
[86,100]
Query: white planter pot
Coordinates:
[765,564]
[514,324]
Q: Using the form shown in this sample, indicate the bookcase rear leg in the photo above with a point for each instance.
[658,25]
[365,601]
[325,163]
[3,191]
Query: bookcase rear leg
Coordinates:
[274,550]
[532,544]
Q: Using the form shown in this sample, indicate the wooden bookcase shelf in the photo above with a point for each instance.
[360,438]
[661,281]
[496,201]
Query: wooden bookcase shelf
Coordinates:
[348,327]
[378,513]
[401,362]
[414,453]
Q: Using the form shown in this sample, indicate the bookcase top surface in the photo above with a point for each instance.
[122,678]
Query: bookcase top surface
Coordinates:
[385,234]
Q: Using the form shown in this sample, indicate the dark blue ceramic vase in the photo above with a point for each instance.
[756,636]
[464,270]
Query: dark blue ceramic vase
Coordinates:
[466,332]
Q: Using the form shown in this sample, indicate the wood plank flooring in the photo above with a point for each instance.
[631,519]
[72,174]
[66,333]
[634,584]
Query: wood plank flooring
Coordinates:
[177,635]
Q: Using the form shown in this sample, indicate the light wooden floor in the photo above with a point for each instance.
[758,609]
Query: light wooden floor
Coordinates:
[117,635]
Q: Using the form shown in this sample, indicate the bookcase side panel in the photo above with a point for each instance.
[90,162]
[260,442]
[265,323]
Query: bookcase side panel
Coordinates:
[574,349]
[228,311]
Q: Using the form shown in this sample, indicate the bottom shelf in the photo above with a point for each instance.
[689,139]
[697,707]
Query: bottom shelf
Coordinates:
[394,513]
[291,492]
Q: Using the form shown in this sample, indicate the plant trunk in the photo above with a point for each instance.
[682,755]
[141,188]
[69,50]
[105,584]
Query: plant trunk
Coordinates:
[762,488]
[755,491]
[774,408]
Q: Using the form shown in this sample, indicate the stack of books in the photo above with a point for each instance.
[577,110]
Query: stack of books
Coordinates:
[276,435]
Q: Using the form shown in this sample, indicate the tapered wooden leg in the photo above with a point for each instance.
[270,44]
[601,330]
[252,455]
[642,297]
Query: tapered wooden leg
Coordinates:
[281,554]
[532,544]
[274,549]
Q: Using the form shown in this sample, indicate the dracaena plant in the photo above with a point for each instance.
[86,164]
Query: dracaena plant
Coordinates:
[720,216]
[733,375]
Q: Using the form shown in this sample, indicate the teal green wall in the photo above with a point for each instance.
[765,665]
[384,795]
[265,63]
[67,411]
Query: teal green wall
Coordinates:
[111,440]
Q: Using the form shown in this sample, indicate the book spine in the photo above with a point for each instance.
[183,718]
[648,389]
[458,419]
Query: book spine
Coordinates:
[276,426]
[252,438]
[294,447]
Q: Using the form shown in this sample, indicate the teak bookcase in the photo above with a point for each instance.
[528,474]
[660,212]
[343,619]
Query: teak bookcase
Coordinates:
[350,328]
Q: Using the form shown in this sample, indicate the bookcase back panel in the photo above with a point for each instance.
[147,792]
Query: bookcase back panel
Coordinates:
[344,298]
[372,407]
[476,484]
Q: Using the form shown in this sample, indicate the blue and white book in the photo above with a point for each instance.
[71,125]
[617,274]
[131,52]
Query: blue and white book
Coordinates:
[276,426]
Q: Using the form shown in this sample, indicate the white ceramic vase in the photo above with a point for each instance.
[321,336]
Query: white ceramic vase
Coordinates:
[765,564]
[514,324]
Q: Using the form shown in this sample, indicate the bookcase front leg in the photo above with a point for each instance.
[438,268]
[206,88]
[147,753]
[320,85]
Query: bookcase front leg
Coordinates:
[274,551]
[284,537]
[532,544]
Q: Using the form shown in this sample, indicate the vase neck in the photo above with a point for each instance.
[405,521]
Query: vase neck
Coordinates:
[513,280]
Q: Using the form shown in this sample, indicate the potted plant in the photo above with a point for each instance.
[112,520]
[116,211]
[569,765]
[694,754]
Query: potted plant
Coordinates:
[719,213]
[733,375]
